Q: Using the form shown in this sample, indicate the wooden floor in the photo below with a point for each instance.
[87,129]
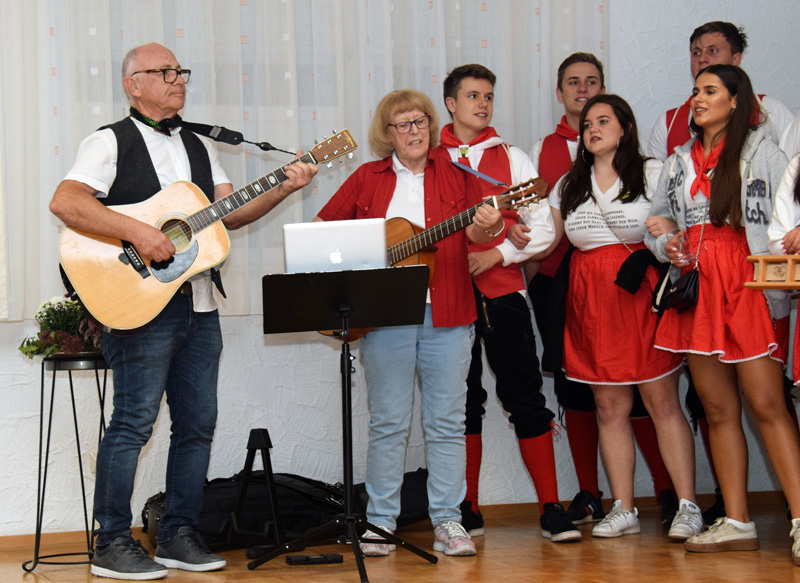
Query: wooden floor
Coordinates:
[512,550]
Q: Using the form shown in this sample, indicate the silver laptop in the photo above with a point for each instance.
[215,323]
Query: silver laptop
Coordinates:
[335,245]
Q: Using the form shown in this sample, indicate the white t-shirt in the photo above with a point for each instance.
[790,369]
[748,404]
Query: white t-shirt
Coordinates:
[586,227]
[790,143]
[408,200]
[96,166]
[785,212]
[779,117]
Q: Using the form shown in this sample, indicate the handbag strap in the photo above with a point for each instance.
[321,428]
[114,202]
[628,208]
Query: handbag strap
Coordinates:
[700,242]
[605,218]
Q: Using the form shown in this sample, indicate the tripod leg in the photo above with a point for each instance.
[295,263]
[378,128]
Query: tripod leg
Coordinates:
[397,540]
[352,534]
[312,536]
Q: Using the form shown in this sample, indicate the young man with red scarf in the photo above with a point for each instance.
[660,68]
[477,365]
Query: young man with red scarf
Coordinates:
[504,322]
[580,77]
[713,43]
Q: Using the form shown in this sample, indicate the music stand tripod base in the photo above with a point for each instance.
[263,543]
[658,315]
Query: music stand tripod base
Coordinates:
[367,298]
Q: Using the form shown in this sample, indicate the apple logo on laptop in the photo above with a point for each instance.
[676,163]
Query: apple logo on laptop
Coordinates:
[336,257]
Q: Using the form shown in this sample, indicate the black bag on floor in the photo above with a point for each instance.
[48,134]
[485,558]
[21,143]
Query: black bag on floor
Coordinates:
[303,504]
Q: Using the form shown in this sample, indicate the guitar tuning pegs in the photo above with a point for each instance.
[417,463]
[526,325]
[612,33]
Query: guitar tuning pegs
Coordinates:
[350,155]
[329,164]
[316,142]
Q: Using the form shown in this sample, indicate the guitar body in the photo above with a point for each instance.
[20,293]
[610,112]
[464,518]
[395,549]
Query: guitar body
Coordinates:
[398,230]
[124,291]
[113,290]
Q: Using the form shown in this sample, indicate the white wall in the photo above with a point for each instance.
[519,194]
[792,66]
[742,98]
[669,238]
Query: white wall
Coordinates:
[290,383]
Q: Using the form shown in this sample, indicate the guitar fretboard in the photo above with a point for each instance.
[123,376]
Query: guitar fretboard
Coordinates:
[236,200]
[430,236]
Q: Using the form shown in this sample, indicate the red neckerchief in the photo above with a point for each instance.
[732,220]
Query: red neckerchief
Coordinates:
[702,183]
[449,140]
[564,130]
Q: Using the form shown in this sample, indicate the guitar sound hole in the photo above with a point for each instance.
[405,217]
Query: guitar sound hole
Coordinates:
[178,232]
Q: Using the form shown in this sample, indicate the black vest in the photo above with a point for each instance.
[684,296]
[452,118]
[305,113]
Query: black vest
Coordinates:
[136,179]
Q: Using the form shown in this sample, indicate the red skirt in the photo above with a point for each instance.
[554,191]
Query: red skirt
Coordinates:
[609,335]
[729,320]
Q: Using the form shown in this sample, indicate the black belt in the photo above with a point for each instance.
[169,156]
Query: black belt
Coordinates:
[186,288]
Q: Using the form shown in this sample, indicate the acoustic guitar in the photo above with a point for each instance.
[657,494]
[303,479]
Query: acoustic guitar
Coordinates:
[411,245]
[125,291]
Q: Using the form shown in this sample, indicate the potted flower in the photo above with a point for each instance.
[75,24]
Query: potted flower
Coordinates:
[64,326]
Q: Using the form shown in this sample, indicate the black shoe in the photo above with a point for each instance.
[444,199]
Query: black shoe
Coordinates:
[126,559]
[716,510]
[472,522]
[585,507]
[187,551]
[668,503]
[556,526]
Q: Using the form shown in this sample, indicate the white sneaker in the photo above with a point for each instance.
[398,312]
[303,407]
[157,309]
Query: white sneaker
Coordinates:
[687,522]
[452,539]
[724,536]
[795,534]
[371,549]
[617,522]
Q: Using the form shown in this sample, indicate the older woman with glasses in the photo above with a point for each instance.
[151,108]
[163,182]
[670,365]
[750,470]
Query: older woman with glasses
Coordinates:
[415,180]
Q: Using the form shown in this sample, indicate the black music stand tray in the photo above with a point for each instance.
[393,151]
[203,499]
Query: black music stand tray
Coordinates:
[341,300]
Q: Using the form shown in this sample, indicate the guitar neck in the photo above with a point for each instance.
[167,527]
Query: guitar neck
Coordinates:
[432,235]
[221,208]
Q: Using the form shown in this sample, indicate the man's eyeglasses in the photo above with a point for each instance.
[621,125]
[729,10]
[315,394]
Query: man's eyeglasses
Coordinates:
[170,75]
[405,126]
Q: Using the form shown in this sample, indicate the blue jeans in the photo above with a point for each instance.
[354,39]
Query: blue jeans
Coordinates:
[441,357]
[177,353]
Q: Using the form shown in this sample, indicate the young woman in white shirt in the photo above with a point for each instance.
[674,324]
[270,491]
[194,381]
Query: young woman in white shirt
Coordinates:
[602,205]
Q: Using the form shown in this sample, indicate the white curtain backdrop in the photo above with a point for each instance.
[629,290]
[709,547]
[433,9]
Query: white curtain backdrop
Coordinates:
[283,71]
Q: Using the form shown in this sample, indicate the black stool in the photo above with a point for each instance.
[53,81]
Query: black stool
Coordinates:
[65,362]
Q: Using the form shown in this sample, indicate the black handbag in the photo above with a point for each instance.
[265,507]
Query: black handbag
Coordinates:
[682,294]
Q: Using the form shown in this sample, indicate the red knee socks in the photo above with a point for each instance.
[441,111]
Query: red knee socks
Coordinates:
[540,460]
[474,455]
[583,439]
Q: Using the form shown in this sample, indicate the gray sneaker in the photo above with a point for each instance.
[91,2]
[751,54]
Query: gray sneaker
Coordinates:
[187,551]
[724,536]
[126,559]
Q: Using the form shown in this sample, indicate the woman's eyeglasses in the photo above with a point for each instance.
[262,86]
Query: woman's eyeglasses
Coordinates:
[405,126]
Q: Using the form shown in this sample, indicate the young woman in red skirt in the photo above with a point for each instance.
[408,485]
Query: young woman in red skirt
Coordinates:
[719,189]
[602,205]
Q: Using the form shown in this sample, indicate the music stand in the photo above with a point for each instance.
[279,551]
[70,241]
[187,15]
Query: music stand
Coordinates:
[367,298]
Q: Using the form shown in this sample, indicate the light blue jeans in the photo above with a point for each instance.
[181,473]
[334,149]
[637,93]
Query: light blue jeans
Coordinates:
[177,353]
[441,357]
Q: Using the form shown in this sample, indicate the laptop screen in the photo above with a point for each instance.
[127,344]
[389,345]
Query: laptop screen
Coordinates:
[335,245]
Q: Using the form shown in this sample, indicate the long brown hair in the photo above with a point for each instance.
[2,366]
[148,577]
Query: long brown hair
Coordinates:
[576,188]
[726,182]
